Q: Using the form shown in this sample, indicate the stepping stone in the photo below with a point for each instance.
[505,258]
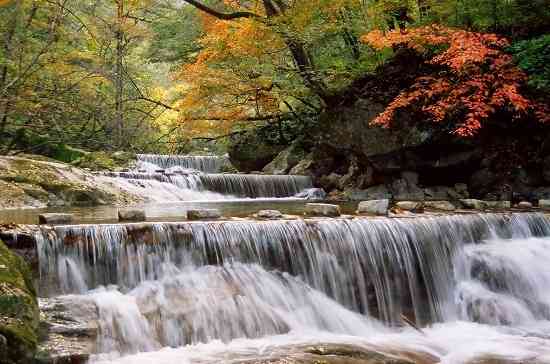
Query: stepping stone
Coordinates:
[204,214]
[322,209]
[55,219]
[131,215]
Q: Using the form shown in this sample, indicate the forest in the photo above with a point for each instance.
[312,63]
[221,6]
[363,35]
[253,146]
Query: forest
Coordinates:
[174,76]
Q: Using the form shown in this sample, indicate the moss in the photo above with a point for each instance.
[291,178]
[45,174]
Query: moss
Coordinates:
[19,314]
[67,154]
[101,161]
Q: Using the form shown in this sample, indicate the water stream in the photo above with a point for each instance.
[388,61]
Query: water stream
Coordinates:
[211,292]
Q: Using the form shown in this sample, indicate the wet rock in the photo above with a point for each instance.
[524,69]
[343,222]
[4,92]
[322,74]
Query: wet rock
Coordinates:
[313,194]
[322,209]
[525,205]
[204,214]
[19,314]
[55,219]
[461,190]
[473,204]
[544,204]
[374,207]
[269,214]
[498,205]
[440,205]
[379,192]
[412,206]
[131,215]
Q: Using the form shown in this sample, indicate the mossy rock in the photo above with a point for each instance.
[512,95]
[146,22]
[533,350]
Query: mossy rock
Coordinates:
[103,161]
[19,313]
[68,154]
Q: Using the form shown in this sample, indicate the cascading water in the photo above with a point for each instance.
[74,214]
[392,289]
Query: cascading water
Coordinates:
[169,178]
[206,164]
[478,279]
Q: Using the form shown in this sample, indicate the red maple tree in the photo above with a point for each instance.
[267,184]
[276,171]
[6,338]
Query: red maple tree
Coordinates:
[480,79]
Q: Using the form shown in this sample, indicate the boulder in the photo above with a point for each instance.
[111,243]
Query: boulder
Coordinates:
[374,207]
[544,204]
[413,206]
[498,205]
[440,205]
[312,194]
[269,214]
[55,219]
[525,205]
[204,214]
[251,152]
[322,209]
[303,168]
[403,190]
[330,182]
[131,215]
[473,204]
[285,161]
[378,192]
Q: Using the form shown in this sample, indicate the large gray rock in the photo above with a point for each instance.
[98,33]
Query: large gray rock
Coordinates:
[544,205]
[303,168]
[413,206]
[439,205]
[285,161]
[498,205]
[131,215]
[55,219]
[404,190]
[526,205]
[374,207]
[204,214]
[473,204]
[379,192]
[322,209]
[269,214]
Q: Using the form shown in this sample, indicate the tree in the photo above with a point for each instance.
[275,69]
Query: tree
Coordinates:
[477,80]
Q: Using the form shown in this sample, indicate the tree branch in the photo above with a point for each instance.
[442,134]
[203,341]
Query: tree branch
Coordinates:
[220,15]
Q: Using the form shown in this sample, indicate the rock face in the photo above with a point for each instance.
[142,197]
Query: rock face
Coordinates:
[27,182]
[19,314]
[374,207]
[55,219]
[204,214]
[249,152]
[322,209]
[131,215]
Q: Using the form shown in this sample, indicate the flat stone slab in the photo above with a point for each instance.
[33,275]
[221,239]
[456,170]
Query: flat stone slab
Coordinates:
[413,206]
[269,214]
[440,205]
[204,214]
[374,207]
[55,219]
[322,209]
[131,215]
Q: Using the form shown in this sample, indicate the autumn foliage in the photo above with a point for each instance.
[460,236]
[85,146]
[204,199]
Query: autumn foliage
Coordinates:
[478,78]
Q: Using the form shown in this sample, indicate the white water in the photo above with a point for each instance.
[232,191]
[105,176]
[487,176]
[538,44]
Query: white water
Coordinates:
[169,178]
[230,292]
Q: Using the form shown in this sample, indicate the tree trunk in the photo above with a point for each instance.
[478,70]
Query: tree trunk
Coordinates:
[119,77]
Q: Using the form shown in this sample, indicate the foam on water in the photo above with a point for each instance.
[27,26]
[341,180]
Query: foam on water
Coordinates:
[234,291]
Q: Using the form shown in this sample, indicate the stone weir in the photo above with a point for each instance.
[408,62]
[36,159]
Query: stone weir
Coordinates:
[206,164]
[385,267]
[230,185]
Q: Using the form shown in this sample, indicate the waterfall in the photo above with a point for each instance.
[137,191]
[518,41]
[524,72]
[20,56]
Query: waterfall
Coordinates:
[206,164]
[382,267]
[230,185]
